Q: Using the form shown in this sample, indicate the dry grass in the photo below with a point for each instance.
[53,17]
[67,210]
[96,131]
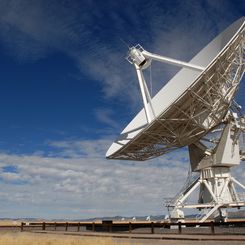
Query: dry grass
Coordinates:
[10,222]
[34,239]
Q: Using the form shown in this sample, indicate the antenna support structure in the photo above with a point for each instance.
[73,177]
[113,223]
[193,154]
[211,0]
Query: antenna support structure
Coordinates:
[141,59]
[217,188]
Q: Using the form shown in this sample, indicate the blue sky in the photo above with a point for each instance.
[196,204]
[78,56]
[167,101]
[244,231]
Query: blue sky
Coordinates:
[66,92]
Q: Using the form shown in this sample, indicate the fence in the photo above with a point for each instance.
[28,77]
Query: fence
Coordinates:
[142,227]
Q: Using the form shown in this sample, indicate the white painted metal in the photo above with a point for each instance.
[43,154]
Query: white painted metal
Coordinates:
[171,61]
[227,152]
[149,111]
[184,196]
[216,207]
[216,184]
[143,89]
[190,104]
[193,103]
[219,193]
[238,183]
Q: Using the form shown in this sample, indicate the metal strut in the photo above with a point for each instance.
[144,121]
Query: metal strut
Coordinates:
[217,186]
[141,60]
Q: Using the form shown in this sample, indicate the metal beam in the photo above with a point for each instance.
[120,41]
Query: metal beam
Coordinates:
[172,61]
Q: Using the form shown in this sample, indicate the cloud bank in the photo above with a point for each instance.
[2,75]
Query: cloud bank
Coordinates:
[76,178]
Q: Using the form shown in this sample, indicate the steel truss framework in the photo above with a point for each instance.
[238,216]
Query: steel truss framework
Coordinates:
[217,202]
[201,108]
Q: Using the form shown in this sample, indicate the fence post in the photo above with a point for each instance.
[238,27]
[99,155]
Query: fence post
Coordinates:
[22,226]
[110,227]
[93,226]
[152,228]
[130,227]
[66,226]
[43,226]
[78,227]
[212,227]
[179,227]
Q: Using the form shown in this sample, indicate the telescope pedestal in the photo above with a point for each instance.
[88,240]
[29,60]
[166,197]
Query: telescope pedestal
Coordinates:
[216,185]
[216,193]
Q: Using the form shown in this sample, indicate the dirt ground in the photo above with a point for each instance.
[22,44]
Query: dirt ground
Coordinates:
[224,236]
[37,237]
[176,242]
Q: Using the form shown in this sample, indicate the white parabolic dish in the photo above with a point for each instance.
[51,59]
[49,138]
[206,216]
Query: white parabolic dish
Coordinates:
[190,104]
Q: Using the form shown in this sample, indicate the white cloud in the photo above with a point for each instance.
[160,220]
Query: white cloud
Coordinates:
[33,30]
[105,116]
[89,182]
[10,176]
[86,148]
[88,185]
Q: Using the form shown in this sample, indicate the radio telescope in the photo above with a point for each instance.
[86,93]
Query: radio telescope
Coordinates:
[196,108]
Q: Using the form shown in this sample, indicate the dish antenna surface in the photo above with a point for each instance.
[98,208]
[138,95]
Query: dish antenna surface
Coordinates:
[196,102]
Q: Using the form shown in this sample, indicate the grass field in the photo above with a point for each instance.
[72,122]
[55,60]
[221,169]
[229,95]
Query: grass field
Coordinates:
[10,222]
[35,239]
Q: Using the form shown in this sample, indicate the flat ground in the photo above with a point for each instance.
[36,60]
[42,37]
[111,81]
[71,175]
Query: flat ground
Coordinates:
[27,238]
[224,236]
